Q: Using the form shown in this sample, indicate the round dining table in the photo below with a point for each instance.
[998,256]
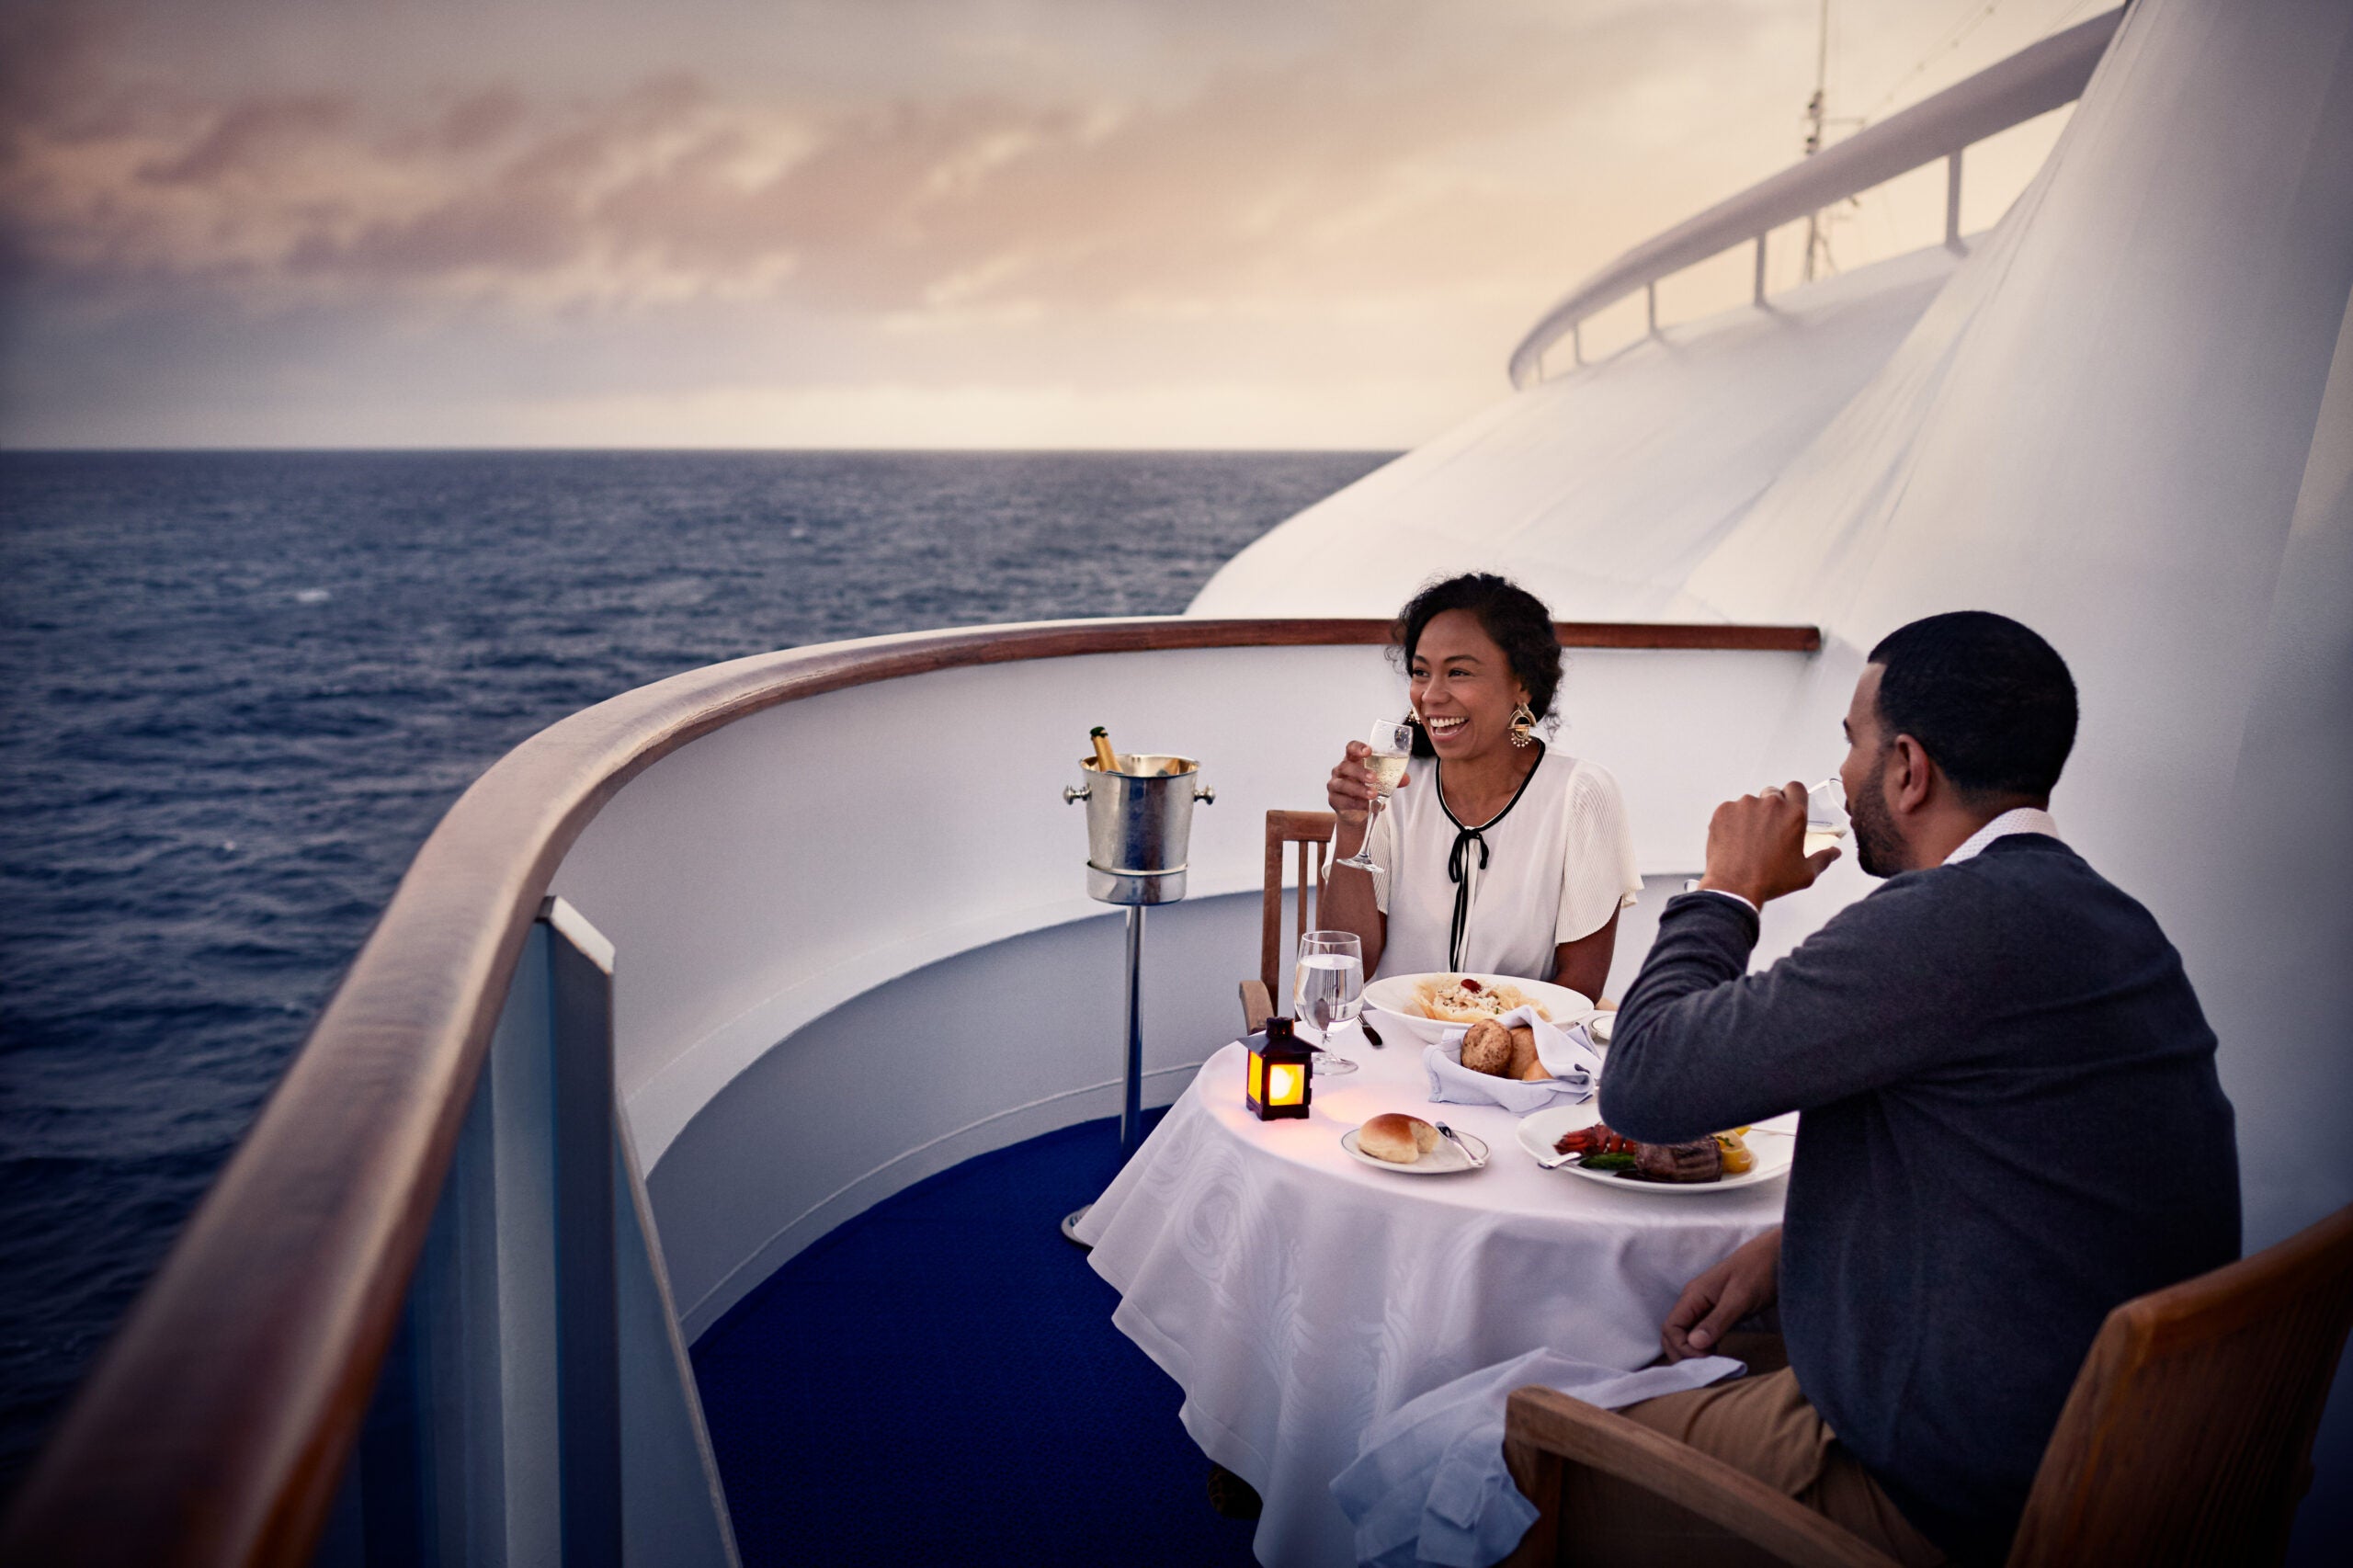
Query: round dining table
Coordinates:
[1297,1294]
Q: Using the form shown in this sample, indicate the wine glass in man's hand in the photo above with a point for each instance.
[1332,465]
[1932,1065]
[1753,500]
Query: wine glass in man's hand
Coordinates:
[1756,845]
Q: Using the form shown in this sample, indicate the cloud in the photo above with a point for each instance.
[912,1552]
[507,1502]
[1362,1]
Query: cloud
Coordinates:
[253,141]
[258,209]
[668,188]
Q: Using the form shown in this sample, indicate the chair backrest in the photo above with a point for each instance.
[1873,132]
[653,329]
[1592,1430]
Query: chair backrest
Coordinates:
[1312,831]
[2187,1436]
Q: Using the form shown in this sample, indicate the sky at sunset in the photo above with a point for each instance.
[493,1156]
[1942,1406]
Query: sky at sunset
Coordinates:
[1041,224]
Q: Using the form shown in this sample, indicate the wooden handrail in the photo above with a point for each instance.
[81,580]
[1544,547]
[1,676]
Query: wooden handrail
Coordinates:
[216,1426]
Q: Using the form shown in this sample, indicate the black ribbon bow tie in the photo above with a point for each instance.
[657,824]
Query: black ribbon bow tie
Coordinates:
[1457,864]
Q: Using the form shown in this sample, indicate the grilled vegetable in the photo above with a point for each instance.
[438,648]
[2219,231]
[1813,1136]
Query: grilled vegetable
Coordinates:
[1594,1140]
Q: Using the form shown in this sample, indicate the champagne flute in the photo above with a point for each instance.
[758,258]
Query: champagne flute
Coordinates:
[1327,990]
[1393,744]
[1825,815]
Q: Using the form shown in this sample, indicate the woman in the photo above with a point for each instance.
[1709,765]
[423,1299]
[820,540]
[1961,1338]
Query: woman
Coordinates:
[1505,857]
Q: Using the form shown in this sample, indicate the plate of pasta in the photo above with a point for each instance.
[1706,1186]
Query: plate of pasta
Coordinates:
[1437,1007]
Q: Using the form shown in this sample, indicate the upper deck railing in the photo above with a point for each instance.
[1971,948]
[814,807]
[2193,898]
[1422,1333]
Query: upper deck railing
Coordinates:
[2034,81]
[216,1427]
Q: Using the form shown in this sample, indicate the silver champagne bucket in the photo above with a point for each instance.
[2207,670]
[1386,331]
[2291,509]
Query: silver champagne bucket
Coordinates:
[1139,821]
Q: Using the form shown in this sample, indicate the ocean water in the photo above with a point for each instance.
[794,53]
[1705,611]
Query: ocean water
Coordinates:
[241,687]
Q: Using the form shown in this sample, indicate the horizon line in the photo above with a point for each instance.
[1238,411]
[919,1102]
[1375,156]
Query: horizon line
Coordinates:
[127,451]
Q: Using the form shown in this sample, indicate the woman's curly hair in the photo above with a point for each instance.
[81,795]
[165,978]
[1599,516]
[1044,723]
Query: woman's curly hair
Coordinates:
[1509,613]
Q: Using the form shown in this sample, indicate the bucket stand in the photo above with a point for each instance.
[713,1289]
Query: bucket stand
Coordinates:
[1131,1104]
[1139,819]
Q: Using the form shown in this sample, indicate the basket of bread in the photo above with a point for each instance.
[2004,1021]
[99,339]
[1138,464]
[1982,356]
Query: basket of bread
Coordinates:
[1520,1061]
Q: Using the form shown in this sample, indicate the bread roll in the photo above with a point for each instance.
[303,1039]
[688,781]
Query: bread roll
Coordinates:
[1396,1137]
[1487,1047]
[1524,1064]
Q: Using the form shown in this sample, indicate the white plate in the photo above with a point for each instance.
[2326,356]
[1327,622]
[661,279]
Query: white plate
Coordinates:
[1444,1160]
[1773,1142]
[1388,997]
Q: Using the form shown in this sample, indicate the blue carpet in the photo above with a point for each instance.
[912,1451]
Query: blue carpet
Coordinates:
[939,1380]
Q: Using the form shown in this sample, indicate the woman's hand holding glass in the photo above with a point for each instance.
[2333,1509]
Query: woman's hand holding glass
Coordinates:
[1367,775]
[1350,792]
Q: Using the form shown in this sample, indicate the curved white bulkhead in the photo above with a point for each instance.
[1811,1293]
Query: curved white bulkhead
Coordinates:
[1601,488]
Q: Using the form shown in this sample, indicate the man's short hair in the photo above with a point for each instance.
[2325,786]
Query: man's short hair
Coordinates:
[1990,701]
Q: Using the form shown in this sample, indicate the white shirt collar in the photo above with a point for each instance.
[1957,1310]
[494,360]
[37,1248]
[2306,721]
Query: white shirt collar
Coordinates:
[2025,819]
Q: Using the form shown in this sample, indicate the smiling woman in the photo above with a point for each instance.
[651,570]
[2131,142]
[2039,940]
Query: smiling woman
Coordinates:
[1513,858]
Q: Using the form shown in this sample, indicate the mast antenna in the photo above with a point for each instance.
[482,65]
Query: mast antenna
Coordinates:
[1817,244]
[1817,118]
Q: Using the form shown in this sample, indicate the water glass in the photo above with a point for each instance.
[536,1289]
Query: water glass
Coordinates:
[1328,990]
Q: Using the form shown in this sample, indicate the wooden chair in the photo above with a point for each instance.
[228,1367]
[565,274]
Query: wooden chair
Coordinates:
[2187,1439]
[1312,831]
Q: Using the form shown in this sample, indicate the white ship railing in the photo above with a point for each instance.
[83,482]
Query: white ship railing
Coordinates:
[425,1314]
[2032,81]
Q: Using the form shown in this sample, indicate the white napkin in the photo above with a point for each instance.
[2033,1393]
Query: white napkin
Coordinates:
[1430,1484]
[1567,1054]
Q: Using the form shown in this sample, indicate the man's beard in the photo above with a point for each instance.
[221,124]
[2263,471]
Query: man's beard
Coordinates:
[1878,847]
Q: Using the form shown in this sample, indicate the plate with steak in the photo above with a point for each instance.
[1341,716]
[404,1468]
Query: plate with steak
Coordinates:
[1595,1153]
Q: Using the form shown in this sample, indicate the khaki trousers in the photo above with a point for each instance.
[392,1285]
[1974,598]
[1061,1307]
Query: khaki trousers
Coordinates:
[1760,1424]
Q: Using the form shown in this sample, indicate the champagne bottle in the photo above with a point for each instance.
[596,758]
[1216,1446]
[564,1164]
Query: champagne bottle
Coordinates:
[1105,760]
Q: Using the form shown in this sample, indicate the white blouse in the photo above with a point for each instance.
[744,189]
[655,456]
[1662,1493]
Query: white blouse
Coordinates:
[1558,862]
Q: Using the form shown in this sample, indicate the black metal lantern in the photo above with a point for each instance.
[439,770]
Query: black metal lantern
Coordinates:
[1277,1084]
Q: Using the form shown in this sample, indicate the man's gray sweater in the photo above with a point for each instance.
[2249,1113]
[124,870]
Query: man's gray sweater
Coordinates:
[2012,1124]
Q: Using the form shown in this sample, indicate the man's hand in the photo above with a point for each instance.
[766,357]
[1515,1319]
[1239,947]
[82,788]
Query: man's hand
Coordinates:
[1756,846]
[1743,1284]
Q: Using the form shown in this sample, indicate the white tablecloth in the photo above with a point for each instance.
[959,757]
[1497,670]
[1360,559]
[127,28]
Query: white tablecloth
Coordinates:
[1296,1296]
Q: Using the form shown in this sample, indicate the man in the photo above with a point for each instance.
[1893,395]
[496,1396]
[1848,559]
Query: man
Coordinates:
[2012,1120]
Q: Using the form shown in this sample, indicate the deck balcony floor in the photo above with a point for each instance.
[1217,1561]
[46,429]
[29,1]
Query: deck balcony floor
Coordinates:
[939,1380]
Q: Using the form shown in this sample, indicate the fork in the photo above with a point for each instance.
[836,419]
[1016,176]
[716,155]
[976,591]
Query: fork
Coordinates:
[1456,1139]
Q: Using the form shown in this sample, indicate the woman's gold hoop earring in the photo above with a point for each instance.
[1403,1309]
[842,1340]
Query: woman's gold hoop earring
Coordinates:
[1522,721]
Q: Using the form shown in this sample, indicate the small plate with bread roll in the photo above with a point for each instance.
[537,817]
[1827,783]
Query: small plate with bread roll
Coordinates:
[1410,1146]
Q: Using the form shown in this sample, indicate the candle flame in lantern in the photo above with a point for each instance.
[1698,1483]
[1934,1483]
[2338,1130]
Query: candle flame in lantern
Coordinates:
[1282,1084]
